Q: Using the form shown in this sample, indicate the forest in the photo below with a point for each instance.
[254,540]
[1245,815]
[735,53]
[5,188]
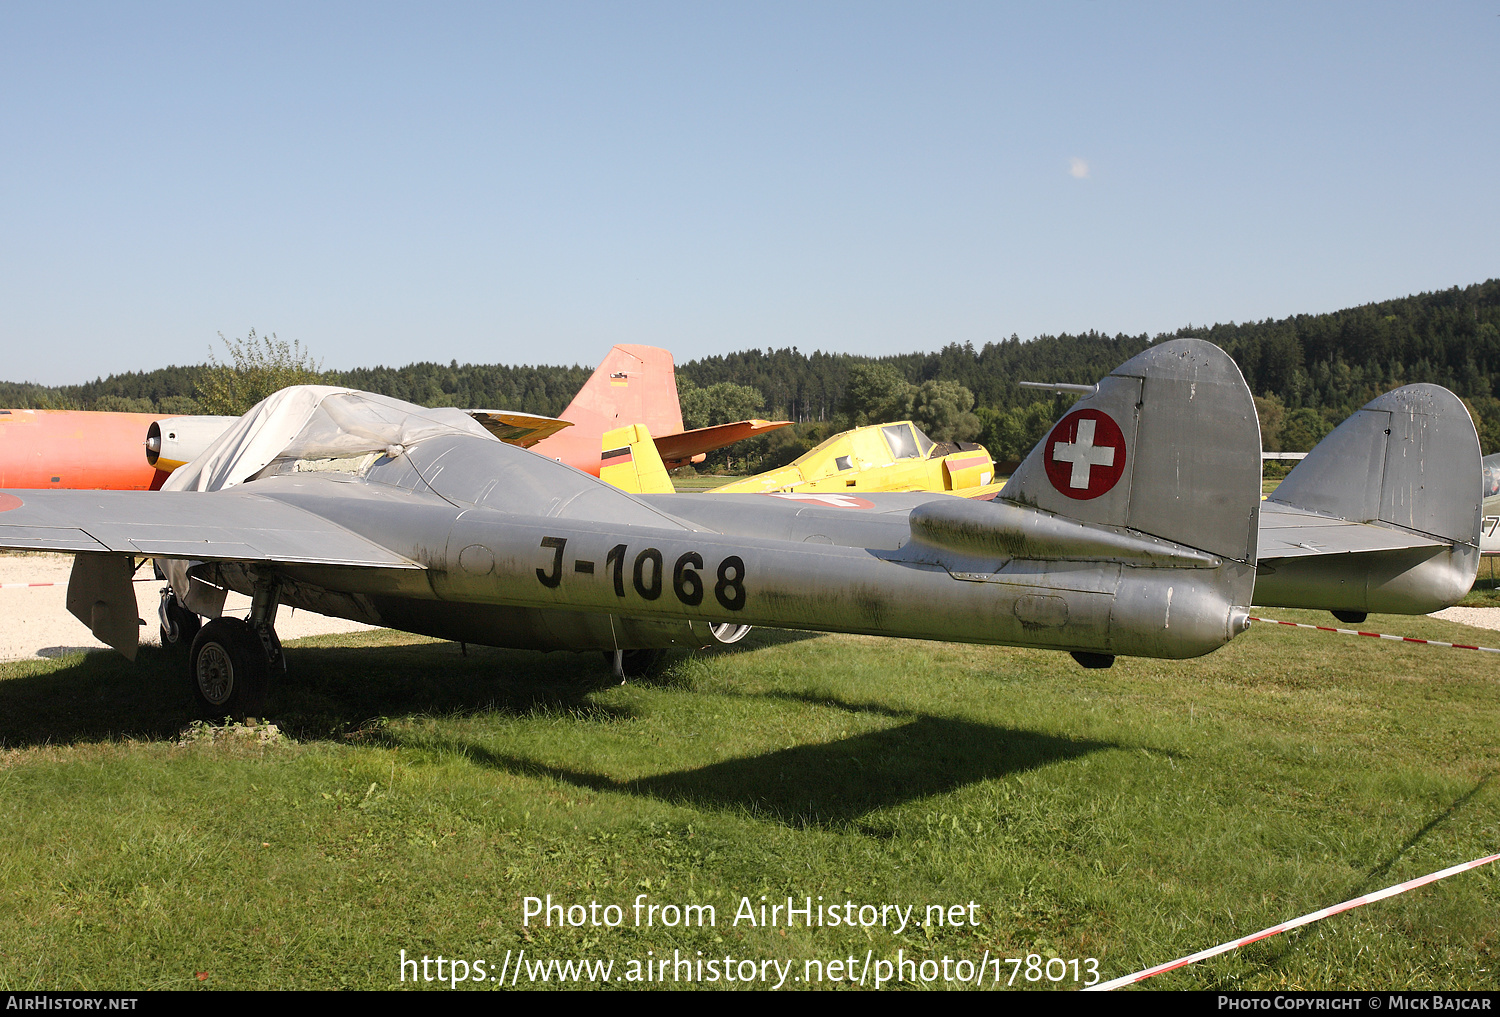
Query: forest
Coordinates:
[1308,373]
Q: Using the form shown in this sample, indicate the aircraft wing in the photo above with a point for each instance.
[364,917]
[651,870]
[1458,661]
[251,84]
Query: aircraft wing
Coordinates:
[1290,532]
[682,446]
[207,526]
[523,429]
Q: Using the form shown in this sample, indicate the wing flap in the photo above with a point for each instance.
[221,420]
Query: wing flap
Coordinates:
[48,538]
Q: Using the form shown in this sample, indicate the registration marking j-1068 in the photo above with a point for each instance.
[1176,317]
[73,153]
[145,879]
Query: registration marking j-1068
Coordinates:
[647,574]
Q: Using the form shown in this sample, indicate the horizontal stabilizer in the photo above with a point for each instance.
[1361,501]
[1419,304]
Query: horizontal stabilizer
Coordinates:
[684,445]
[1287,532]
[523,429]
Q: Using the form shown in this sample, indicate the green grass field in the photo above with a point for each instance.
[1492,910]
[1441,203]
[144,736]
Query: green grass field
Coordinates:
[417,796]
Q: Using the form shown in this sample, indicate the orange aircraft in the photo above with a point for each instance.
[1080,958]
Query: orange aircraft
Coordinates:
[78,449]
[108,451]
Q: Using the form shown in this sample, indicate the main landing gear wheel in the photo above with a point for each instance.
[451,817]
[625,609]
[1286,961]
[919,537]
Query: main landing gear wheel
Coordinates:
[229,670]
[728,632]
[178,625]
[1350,617]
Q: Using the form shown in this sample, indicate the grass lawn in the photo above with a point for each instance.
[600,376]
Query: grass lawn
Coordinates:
[416,797]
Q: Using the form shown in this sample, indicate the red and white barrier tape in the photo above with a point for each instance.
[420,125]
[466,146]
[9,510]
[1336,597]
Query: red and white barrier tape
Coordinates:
[1377,635]
[25,586]
[1368,898]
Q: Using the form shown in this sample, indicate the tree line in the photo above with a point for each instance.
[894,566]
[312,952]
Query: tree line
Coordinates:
[1308,373]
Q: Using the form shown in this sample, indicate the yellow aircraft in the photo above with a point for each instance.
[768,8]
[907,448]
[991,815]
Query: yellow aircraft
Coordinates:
[881,457]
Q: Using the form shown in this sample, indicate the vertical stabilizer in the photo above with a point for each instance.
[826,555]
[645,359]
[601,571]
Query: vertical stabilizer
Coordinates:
[1167,445]
[1409,458]
[630,462]
[632,385]
[1384,515]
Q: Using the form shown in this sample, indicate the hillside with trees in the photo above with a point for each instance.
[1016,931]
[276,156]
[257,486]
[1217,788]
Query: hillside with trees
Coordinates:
[1308,372]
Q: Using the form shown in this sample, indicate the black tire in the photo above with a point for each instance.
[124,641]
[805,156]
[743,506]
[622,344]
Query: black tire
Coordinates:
[229,671]
[184,625]
[1350,617]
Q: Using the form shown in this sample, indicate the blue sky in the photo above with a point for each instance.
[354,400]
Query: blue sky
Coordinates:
[530,183]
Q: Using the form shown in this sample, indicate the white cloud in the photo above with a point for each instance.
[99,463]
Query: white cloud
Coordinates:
[1077,168]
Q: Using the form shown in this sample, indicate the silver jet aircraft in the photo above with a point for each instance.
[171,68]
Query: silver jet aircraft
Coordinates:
[1131,529]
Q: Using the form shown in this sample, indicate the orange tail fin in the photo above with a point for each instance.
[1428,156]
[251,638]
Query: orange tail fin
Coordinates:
[632,385]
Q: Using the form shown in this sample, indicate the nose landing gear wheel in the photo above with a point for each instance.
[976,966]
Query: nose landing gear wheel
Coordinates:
[229,670]
[178,625]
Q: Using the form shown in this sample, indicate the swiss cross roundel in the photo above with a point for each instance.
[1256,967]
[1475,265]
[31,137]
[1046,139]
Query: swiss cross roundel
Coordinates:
[1085,454]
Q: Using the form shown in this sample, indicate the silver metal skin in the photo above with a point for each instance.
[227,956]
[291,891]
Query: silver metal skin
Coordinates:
[1383,515]
[1130,530]
[182,439]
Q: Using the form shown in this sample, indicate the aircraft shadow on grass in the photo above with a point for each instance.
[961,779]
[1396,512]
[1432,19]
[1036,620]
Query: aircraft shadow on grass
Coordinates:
[329,691]
[835,783]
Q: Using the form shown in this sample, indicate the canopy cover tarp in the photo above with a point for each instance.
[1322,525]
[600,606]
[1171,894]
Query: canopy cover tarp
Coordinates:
[316,422]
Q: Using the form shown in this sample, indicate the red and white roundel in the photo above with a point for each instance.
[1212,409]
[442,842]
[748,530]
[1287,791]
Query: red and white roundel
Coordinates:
[1085,454]
[9,501]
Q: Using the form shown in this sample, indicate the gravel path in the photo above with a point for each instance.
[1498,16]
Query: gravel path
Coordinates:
[1479,617]
[34,621]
